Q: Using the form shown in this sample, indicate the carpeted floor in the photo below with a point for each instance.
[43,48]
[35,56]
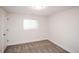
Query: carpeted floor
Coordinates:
[43,46]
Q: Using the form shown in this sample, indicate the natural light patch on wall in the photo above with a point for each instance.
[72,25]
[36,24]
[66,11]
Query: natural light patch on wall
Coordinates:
[30,24]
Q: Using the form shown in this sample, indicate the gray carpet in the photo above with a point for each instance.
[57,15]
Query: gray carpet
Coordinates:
[43,46]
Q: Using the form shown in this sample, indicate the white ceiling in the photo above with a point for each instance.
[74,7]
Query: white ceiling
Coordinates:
[28,10]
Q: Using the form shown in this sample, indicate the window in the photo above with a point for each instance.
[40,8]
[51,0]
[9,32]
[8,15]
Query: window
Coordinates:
[30,24]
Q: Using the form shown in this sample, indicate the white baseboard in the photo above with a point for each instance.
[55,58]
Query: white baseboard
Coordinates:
[60,46]
[20,42]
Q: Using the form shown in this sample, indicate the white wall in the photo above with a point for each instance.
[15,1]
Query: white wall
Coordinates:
[64,29]
[3,27]
[18,35]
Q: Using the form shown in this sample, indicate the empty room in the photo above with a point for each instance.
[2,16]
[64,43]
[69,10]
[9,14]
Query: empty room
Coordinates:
[39,29]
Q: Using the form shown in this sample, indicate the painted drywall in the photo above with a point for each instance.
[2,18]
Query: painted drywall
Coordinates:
[64,29]
[17,34]
[3,27]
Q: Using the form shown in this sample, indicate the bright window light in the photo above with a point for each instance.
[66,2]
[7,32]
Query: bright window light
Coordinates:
[30,24]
